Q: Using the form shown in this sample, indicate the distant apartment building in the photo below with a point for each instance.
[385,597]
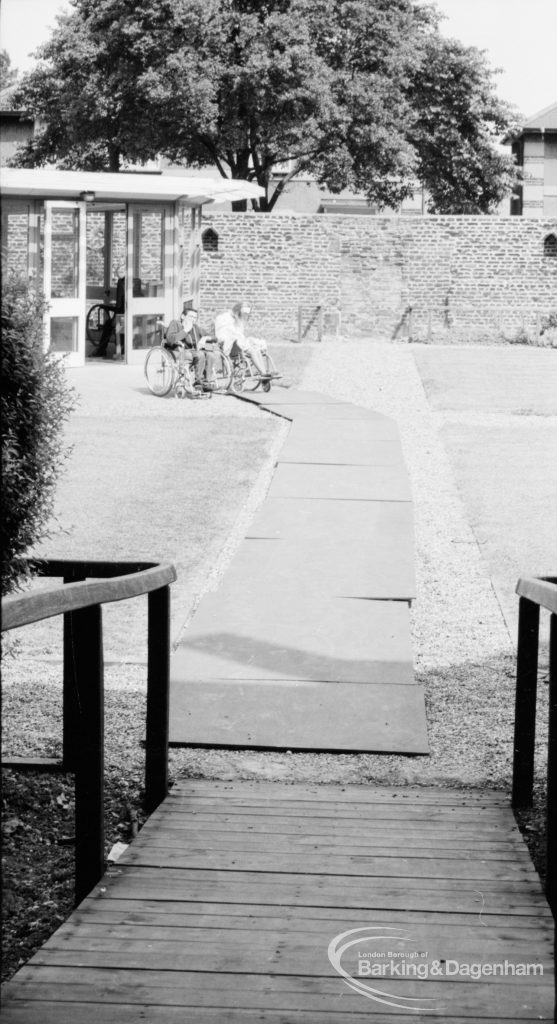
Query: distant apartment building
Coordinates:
[16,126]
[535,150]
[303,195]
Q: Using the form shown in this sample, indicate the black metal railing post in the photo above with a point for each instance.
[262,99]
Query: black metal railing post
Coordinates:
[89,750]
[525,706]
[551,877]
[158,687]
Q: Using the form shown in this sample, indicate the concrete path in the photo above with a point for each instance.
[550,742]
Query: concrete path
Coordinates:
[306,643]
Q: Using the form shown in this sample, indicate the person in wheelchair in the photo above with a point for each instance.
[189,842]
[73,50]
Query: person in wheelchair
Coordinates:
[195,347]
[230,329]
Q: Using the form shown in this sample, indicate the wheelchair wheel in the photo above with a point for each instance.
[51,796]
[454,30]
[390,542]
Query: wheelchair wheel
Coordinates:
[160,371]
[245,376]
[238,375]
[97,318]
[222,378]
[252,379]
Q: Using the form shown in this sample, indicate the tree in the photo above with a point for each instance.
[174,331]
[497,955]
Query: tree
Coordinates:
[92,115]
[8,74]
[354,91]
[458,121]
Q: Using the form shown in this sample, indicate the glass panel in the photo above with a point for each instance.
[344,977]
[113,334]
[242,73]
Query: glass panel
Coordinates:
[119,241]
[64,260]
[550,163]
[96,242]
[146,333]
[106,252]
[63,333]
[148,253]
[15,239]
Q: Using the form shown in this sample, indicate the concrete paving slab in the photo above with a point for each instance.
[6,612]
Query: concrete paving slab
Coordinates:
[340,411]
[334,410]
[289,396]
[357,483]
[370,522]
[300,715]
[344,442]
[347,568]
[275,633]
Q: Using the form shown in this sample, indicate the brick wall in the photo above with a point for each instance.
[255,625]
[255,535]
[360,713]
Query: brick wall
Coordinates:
[15,234]
[463,277]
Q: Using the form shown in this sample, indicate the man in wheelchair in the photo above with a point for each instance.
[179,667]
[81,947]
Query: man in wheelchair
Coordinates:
[194,347]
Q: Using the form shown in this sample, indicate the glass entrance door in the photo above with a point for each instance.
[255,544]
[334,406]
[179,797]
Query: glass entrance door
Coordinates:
[149,276]
[64,278]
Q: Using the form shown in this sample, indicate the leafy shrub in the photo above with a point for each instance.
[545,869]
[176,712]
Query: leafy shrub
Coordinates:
[549,323]
[544,335]
[35,401]
[522,336]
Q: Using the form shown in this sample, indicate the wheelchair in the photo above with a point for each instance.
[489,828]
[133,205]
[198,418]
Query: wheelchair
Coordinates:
[245,375]
[97,319]
[165,372]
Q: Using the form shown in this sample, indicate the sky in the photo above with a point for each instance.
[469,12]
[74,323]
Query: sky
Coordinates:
[518,35]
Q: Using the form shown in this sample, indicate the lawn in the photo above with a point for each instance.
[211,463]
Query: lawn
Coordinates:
[152,490]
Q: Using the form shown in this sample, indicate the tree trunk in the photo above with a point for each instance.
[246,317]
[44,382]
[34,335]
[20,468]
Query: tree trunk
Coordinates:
[113,160]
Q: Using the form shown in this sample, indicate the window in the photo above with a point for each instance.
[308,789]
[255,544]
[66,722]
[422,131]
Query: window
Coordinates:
[550,246]
[210,241]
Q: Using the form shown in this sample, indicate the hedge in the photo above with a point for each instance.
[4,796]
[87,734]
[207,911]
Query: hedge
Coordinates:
[36,400]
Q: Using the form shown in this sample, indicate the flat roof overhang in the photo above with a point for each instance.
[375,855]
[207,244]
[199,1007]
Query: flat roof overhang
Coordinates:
[49,183]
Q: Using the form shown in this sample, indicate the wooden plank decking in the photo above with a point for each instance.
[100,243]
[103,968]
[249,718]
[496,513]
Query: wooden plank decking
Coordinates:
[224,908]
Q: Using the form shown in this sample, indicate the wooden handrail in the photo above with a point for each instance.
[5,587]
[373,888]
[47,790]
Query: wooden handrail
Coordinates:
[80,602]
[22,609]
[536,593]
[541,591]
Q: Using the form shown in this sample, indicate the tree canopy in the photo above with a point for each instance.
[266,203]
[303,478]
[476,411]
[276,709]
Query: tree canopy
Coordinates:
[363,94]
[8,74]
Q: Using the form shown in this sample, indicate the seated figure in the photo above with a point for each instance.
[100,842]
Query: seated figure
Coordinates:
[230,329]
[192,342]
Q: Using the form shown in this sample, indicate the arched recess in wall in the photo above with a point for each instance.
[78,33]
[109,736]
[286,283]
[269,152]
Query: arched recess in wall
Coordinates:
[550,245]
[210,240]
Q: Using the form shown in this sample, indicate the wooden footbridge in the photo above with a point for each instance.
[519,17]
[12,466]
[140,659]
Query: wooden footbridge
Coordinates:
[229,905]
[263,902]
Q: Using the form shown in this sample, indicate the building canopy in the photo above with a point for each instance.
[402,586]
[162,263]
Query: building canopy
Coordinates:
[49,183]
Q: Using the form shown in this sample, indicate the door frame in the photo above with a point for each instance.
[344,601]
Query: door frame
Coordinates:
[160,306]
[73,307]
